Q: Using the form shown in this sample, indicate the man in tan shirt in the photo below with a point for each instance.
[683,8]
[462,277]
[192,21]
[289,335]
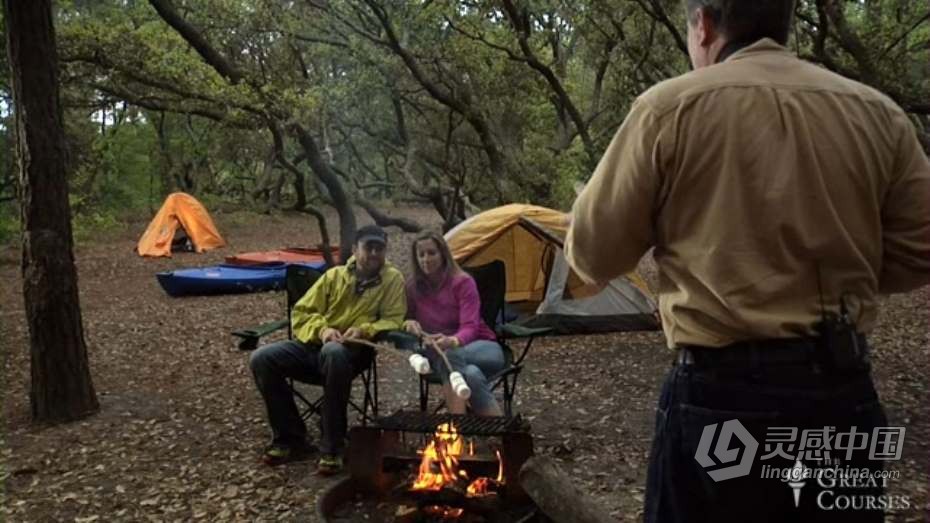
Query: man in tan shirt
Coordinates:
[774,193]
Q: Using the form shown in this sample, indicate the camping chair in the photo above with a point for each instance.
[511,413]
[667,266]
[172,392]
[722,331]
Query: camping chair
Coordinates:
[491,280]
[298,281]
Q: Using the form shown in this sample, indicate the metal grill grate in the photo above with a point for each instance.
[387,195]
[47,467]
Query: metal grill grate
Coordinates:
[465,424]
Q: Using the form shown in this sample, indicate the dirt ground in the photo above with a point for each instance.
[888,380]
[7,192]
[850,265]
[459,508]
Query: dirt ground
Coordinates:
[181,426]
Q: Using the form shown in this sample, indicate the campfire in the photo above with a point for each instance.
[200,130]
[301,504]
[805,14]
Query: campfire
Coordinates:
[443,487]
[417,467]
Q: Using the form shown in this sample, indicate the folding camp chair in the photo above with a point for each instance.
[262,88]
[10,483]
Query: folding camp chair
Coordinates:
[491,280]
[298,281]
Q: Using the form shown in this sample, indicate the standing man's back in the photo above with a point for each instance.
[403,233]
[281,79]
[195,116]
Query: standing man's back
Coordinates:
[781,199]
[765,170]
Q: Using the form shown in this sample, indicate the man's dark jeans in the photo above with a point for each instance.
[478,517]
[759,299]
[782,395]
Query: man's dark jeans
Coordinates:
[333,366]
[679,488]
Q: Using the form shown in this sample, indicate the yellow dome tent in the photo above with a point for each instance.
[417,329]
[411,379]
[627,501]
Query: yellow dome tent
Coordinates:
[184,211]
[529,239]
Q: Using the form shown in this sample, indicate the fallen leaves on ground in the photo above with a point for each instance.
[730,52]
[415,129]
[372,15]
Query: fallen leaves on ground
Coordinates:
[181,426]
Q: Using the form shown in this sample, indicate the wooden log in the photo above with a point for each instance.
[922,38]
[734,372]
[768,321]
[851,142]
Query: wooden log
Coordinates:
[556,495]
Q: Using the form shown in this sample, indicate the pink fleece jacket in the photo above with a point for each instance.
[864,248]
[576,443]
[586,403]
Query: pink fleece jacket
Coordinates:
[454,309]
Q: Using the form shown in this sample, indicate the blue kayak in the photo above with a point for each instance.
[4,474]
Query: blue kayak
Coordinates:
[227,279]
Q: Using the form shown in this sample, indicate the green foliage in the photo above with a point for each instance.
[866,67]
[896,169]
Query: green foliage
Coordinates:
[87,227]
[9,225]
[465,110]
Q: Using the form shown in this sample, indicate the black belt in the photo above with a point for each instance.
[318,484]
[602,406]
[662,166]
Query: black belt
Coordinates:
[749,354]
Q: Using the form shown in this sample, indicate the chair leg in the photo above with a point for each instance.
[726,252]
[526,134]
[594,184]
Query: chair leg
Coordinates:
[526,349]
[510,388]
[311,407]
[369,409]
[374,364]
[366,397]
[424,394]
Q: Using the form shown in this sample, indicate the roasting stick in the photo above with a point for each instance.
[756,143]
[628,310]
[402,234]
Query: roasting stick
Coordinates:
[381,348]
[419,363]
[435,346]
[456,380]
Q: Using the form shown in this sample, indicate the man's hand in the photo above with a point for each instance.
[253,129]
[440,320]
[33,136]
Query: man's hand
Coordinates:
[330,334]
[353,333]
[413,327]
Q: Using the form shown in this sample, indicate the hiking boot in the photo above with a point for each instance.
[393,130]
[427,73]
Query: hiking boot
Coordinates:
[330,464]
[281,453]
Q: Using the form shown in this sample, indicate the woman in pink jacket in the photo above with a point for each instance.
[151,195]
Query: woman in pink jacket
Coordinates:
[443,306]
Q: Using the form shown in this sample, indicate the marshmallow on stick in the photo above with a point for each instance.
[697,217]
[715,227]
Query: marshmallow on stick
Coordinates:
[456,380]
[421,364]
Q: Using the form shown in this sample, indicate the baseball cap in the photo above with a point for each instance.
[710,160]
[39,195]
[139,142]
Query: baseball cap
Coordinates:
[371,233]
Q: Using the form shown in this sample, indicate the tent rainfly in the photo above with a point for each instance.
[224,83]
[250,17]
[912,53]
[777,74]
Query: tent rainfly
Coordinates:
[540,283]
[182,211]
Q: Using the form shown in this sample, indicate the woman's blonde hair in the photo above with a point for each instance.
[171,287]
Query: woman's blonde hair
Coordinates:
[449,266]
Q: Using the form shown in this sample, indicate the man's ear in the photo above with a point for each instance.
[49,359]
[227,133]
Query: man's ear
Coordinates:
[706,30]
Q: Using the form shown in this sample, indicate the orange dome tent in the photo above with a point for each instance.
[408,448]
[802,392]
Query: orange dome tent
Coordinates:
[179,210]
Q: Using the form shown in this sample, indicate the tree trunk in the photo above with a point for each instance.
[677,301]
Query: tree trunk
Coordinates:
[324,245]
[61,385]
[337,194]
[168,181]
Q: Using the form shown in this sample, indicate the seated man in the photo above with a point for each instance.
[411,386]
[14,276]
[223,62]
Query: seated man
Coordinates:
[358,300]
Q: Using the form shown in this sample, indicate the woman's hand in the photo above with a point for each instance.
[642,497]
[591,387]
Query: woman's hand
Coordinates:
[413,327]
[447,342]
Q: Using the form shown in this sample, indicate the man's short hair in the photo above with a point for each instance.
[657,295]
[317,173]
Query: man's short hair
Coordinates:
[748,20]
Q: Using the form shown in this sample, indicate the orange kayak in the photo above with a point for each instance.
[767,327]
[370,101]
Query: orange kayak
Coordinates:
[286,255]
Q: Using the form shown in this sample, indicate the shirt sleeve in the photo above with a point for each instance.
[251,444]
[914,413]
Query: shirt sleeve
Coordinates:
[906,219]
[393,307]
[308,317]
[612,219]
[466,295]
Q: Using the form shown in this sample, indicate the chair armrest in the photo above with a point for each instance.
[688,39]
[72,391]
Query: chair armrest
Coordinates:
[251,335]
[513,331]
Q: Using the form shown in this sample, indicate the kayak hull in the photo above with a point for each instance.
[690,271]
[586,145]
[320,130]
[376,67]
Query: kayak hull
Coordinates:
[226,279]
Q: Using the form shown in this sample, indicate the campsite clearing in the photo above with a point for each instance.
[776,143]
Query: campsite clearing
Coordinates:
[181,426]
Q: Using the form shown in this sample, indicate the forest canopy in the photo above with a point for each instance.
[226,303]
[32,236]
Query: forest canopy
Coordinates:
[267,104]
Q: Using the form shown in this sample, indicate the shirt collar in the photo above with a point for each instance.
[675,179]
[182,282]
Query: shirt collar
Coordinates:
[761,46]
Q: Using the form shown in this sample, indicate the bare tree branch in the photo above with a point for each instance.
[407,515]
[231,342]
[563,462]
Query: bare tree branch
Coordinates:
[385,220]
[903,35]
[658,12]
[520,25]
[190,33]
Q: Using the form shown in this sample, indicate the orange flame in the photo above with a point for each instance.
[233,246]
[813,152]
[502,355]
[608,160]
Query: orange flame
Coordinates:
[482,486]
[500,467]
[440,465]
[440,462]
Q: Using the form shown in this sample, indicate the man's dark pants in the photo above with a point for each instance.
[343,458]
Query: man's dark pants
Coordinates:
[761,395]
[332,365]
